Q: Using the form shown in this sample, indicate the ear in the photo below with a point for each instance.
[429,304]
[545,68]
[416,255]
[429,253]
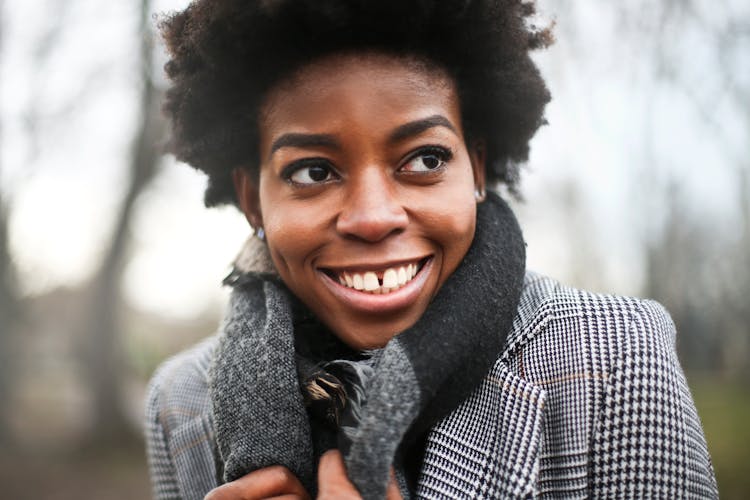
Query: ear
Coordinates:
[478,156]
[246,189]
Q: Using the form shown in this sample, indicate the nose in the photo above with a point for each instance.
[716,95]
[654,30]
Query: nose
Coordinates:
[371,210]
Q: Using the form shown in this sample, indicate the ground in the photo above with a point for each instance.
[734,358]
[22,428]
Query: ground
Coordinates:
[109,475]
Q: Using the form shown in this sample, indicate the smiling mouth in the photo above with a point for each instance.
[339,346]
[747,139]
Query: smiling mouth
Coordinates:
[377,281]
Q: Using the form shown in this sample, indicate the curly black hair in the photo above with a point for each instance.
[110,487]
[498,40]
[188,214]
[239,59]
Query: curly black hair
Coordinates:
[227,54]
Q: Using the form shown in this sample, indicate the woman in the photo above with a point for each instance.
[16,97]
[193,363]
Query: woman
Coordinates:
[383,338]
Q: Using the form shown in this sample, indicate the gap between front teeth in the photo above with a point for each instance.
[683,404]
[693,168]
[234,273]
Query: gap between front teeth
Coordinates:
[393,279]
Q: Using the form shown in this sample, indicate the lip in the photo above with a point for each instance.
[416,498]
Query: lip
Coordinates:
[379,303]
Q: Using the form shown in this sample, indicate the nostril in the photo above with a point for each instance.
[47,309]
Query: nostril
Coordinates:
[371,229]
[372,224]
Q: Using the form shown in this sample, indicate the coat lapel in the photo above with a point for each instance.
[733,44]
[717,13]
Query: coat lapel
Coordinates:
[489,446]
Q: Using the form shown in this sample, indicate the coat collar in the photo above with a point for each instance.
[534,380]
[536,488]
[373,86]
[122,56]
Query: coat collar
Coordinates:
[489,446]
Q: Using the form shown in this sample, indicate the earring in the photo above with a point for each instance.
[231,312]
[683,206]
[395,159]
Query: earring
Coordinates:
[479,194]
[261,234]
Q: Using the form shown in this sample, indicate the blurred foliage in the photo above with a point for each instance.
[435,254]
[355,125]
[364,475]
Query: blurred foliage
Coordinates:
[724,408]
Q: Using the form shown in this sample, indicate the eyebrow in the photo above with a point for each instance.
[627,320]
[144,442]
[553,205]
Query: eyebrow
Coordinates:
[416,127]
[296,140]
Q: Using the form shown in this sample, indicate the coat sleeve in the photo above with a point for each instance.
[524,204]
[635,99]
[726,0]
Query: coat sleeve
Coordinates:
[161,467]
[648,440]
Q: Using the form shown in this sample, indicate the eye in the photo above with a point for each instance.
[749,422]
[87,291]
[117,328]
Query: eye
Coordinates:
[428,160]
[309,172]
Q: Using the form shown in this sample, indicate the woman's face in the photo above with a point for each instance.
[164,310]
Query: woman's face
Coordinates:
[366,190]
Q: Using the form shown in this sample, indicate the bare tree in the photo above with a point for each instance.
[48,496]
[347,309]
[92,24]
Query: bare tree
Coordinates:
[9,312]
[692,255]
[103,329]
[691,51]
[8,295]
[100,352]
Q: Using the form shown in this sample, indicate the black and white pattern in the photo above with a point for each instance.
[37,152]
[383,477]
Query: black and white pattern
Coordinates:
[180,442]
[587,400]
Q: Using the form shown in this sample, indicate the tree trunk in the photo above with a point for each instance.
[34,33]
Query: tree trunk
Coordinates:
[8,296]
[9,305]
[103,327]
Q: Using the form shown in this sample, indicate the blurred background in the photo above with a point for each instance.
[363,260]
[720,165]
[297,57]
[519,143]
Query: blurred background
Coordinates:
[109,263]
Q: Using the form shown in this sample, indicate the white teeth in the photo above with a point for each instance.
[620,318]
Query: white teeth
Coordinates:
[358,282]
[371,281]
[390,278]
[401,276]
[393,279]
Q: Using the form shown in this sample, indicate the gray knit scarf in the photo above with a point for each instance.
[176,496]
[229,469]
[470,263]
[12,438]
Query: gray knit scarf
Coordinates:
[420,376]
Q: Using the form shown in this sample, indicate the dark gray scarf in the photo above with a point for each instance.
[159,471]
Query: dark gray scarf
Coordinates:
[417,378]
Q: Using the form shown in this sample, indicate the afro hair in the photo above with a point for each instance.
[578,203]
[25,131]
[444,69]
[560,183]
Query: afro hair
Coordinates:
[225,55]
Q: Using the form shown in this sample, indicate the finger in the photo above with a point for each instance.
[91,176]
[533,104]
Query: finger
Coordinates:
[262,483]
[393,492]
[332,479]
[331,461]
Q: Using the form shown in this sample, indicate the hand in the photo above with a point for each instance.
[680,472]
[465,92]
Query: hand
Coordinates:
[333,483]
[275,482]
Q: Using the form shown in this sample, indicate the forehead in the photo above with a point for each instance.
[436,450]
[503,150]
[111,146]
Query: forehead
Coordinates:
[374,89]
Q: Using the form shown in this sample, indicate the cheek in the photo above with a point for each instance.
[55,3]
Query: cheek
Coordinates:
[453,211]
[462,237]
[295,232]
[463,213]
[459,229]
[289,238]
[288,232]
[451,226]
[276,211]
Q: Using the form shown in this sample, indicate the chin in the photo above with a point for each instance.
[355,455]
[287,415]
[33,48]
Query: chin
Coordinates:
[372,336]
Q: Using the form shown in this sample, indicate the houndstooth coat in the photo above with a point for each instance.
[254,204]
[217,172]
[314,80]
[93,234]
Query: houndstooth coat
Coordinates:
[587,400]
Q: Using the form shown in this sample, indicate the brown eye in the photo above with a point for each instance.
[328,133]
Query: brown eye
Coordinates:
[427,160]
[317,174]
[431,161]
[310,173]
